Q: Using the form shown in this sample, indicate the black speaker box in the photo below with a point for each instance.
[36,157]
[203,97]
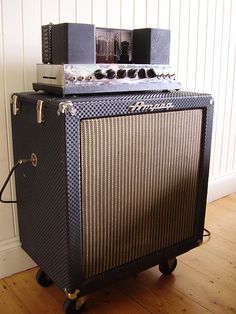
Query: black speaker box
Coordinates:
[116,188]
[151,46]
[73,43]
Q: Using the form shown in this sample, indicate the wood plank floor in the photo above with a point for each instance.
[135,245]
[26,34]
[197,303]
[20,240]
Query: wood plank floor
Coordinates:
[203,282]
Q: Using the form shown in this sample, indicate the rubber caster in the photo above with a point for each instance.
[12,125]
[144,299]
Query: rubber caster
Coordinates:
[76,306]
[167,267]
[42,279]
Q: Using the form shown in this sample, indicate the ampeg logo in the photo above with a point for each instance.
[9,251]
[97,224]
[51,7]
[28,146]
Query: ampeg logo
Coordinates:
[140,106]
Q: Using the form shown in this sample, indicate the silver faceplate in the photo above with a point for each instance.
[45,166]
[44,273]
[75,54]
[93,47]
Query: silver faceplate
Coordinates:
[83,74]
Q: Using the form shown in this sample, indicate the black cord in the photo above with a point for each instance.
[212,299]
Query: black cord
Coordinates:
[6,181]
[207,233]
[19,162]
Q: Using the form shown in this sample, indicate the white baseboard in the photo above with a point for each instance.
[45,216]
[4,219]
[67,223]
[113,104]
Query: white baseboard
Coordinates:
[13,259]
[222,186]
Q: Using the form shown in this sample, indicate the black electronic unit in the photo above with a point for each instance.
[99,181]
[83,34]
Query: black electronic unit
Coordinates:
[118,183]
[73,43]
[151,46]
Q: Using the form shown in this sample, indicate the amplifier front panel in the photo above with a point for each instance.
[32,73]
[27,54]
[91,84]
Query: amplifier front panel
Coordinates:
[139,185]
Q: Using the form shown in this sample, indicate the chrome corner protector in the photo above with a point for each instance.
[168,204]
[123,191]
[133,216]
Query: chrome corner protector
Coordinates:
[72,296]
[66,107]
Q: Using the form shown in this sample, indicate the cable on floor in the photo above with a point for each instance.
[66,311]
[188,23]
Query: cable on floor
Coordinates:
[207,233]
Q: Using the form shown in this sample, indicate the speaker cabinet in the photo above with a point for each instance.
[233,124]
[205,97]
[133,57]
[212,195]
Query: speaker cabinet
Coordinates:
[120,183]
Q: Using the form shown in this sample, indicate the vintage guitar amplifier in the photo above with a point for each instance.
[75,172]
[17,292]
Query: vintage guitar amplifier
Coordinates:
[118,183]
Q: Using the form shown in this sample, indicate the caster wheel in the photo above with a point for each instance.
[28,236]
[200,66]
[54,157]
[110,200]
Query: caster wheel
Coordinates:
[43,279]
[166,268]
[73,307]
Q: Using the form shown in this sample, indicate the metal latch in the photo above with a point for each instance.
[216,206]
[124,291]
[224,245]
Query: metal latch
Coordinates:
[66,107]
[40,112]
[15,105]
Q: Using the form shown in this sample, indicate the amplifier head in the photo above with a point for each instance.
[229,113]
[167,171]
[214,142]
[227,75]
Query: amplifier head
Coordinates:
[78,43]
[120,184]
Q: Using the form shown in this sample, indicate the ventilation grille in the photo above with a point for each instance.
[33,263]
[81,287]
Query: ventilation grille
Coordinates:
[47,43]
[139,185]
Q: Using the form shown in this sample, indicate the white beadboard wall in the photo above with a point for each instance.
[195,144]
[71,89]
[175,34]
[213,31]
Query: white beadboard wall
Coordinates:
[203,52]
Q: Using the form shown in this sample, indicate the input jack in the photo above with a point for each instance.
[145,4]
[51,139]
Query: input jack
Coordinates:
[89,78]
[80,78]
[73,78]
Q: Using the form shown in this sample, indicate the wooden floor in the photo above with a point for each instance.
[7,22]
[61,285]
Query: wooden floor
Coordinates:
[203,282]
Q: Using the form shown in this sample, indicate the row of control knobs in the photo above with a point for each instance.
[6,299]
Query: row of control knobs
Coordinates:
[131,73]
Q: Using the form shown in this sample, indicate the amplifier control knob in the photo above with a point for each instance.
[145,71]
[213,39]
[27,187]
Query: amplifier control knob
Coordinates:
[142,73]
[121,73]
[132,73]
[151,73]
[98,74]
[111,74]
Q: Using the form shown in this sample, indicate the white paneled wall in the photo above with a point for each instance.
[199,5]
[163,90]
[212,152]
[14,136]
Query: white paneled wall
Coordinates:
[203,51]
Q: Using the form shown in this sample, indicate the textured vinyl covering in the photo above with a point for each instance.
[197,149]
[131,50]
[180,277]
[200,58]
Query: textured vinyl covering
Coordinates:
[139,185]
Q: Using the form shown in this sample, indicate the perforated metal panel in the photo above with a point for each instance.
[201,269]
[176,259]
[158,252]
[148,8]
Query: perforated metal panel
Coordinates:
[139,185]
